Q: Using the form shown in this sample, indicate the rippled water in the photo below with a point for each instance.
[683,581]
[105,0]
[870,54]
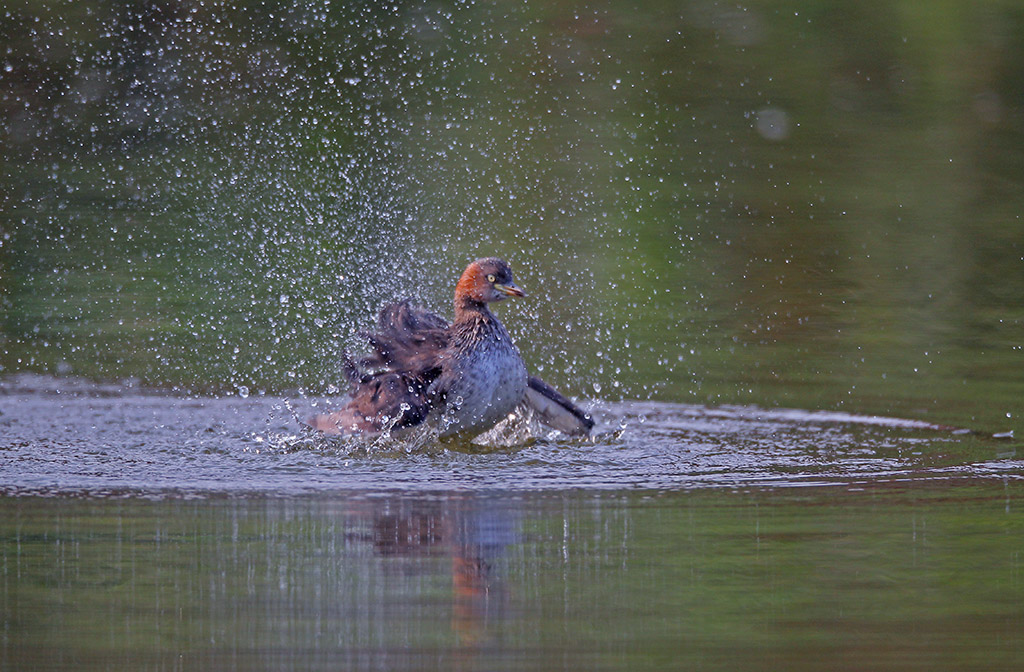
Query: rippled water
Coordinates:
[678,537]
[64,436]
[809,206]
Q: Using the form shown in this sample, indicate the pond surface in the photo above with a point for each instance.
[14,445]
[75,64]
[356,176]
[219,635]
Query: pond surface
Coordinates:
[66,437]
[776,249]
[889,578]
[141,530]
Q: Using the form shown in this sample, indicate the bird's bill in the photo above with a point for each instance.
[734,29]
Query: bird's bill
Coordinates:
[509,290]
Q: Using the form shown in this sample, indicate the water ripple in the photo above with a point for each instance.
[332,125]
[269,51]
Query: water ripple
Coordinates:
[68,437]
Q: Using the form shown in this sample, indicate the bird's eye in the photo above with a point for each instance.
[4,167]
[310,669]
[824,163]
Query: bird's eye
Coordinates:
[491,278]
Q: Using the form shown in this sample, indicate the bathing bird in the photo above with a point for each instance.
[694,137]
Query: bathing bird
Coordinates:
[463,378]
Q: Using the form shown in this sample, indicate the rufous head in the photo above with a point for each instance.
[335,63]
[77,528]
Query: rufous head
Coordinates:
[485,281]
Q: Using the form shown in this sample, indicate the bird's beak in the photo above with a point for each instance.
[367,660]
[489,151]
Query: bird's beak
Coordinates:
[509,290]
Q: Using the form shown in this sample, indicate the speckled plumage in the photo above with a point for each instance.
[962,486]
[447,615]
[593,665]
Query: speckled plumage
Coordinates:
[464,377]
[483,377]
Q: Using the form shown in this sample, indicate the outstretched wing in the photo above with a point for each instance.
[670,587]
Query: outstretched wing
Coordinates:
[408,339]
[555,410]
[389,386]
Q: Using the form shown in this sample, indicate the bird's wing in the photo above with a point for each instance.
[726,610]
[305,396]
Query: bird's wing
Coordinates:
[555,410]
[409,339]
[389,386]
[384,401]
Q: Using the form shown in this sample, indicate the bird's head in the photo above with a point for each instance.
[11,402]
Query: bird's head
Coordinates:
[485,281]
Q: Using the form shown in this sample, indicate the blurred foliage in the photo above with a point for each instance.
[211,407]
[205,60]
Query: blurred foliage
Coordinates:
[800,203]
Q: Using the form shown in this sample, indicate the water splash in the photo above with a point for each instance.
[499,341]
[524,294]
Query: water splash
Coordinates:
[65,437]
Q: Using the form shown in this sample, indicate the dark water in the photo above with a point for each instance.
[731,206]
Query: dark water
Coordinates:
[142,530]
[893,576]
[776,249]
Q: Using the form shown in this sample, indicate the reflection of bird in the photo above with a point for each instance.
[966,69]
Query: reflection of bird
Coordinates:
[464,377]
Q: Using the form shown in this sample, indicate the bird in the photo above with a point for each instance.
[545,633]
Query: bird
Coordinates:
[462,378]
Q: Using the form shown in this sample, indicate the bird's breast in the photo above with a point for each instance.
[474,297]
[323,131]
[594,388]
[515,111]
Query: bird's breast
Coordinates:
[489,382]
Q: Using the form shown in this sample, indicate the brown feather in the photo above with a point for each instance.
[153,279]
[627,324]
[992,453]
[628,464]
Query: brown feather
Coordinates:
[416,354]
[389,386]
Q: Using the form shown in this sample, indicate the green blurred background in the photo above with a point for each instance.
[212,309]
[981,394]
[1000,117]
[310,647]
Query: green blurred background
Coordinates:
[809,204]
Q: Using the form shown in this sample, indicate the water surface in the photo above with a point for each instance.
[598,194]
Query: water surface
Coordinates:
[140,529]
[893,576]
[63,437]
[775,248]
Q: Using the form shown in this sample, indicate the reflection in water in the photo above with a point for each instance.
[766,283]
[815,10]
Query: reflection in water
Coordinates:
[650,544]
[480,596]
[726,580]
[224,584]
[473,536]
[817,207]
[360,583]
